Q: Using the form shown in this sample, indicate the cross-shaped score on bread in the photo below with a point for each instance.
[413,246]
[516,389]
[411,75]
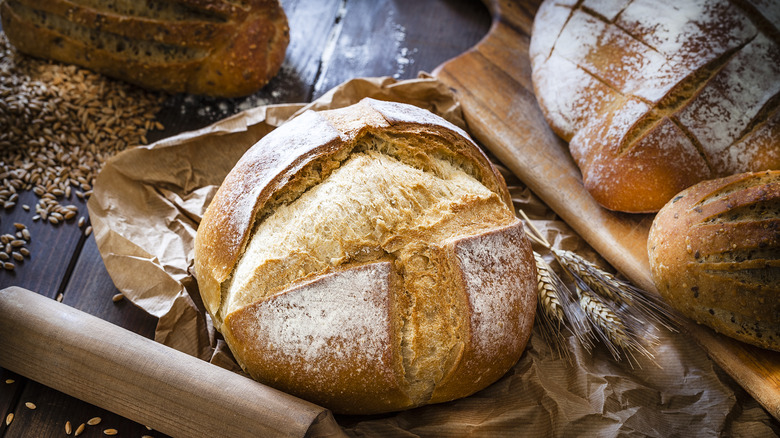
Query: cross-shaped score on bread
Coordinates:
[376,265]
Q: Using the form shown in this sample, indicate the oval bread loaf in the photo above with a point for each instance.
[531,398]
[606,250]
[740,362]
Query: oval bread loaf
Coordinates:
[368,259]
[715,255]
[218,48]
[654,96]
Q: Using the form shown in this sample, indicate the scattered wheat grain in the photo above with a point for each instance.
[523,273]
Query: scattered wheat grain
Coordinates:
[59,124]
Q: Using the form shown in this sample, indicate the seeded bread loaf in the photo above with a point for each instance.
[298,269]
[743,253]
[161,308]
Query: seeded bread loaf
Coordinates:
[715,255]
[368,259]
[654,96]
[219,48]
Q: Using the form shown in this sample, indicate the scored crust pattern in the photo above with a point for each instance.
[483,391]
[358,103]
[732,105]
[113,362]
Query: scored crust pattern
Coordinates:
[714,254]
[654,96]
[368,259]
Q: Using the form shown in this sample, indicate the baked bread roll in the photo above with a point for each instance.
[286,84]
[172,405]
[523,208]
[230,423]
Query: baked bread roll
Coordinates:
[217,48]
[715,255]
[654,96]
[368,259]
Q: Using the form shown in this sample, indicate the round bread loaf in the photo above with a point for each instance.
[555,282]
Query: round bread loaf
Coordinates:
[655,96]
[715,255]
[218,48]
[368,259]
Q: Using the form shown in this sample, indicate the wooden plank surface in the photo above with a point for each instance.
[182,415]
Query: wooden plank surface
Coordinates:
[53,249]
[494,85]
[399,36]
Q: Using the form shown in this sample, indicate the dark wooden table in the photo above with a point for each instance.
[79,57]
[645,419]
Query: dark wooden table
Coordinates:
[330,41]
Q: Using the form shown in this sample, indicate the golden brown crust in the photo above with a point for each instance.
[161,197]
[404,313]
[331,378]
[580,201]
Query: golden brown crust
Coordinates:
[653,103]
[274,162]
[211,48]
[226,224]
[273,341]
[435,311]
[489,350]
[715,255]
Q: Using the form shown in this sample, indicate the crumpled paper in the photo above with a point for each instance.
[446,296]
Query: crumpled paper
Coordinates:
[147,204]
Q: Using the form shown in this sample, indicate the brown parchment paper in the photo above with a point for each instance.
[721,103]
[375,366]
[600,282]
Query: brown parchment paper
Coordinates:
[147,204]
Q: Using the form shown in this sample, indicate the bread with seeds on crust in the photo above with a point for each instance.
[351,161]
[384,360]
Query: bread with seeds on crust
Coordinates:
[218,48]
[368,259]
[714,254]
[655,96]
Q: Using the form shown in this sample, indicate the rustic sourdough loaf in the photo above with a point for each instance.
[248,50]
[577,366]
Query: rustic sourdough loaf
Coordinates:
[219,48]
[654,96]
[368,259]
[715,255]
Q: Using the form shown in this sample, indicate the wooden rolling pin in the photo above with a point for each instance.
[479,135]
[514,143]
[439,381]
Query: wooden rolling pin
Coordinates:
[128,374]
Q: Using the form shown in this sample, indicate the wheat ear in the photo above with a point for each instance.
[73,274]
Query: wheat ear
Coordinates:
[603,304]
[638,302]
[558,310]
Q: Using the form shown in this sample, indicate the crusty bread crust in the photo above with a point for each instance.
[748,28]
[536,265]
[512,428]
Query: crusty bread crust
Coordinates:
[420,308]
[314,138]
[715,255]
[209,48]
[652,103]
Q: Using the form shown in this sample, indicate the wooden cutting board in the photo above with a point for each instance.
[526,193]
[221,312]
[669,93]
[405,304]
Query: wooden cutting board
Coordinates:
[493,82]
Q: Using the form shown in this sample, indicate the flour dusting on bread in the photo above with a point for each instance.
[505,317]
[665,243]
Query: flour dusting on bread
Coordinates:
[378,268]
[709,66]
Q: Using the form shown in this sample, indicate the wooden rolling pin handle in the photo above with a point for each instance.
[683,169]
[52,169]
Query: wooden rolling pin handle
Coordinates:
[130,375]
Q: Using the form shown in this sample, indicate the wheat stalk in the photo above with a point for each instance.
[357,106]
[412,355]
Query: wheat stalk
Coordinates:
[556,310]
[546,286]
[602,304]
[604,318]
[641,304]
